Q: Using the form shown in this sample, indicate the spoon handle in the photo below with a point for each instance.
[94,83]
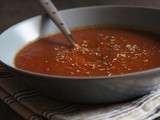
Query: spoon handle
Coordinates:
[53,13]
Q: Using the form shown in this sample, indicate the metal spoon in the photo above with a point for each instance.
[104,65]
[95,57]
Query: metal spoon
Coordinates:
[54,15]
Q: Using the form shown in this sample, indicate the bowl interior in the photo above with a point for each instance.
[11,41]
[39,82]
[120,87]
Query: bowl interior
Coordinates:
[17,36]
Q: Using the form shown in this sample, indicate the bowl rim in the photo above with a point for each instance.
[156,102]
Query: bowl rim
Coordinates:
[132,74]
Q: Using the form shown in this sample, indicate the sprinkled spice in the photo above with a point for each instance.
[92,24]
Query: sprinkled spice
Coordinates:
[46,61]
[47,69]
[104,51]
[87,73]
[77,70]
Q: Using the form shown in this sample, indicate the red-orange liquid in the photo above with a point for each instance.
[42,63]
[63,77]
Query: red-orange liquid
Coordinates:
[105,51]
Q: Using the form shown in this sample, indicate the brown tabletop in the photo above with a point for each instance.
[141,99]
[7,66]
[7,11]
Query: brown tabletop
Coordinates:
[13,11]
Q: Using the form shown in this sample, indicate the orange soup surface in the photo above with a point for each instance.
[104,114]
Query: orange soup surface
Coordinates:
[105,51]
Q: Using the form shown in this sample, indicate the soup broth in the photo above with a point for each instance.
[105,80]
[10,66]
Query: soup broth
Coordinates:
[105,51]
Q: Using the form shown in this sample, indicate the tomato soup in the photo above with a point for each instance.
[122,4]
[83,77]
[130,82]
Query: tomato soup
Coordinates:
[105,51]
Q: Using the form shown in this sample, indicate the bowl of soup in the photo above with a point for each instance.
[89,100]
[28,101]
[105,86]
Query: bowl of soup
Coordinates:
[119,57]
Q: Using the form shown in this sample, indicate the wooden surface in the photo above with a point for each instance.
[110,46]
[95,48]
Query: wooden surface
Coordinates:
[13,11]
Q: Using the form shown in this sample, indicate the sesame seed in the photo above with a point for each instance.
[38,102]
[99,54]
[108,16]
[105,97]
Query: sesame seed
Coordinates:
[105,57]
[99,65]
[47,69]
[101,43]
[102,69]
[77,70]
[146,60]
[121,54]
[132,48]
[93,66]
[128,46]
[129,69]
[85,64]
[46,61]
[116,46]
[56,49]
[97,54]
[70,59]
[112,37]
[109,74]
[73,64]
[114,59]
[87,73]
[57,60]
[72,73]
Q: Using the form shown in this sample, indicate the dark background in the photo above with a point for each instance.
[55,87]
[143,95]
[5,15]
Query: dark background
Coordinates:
[13,11]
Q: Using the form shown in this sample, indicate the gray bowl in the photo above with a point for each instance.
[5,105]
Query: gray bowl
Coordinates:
[85,89]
